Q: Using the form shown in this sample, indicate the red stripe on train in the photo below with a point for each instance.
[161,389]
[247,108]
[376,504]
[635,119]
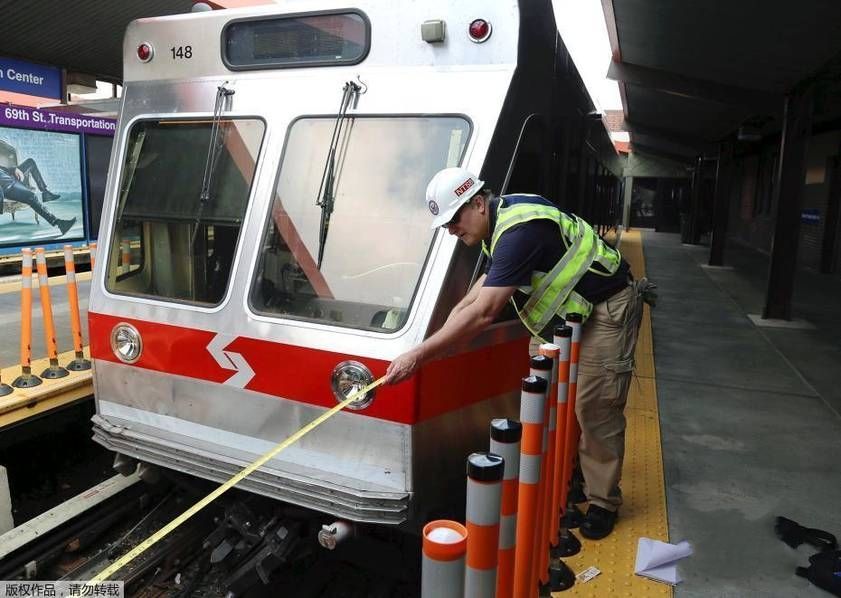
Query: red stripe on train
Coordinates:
[302,374]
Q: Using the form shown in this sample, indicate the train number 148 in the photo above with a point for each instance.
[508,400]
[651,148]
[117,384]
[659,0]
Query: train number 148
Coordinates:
[181,52]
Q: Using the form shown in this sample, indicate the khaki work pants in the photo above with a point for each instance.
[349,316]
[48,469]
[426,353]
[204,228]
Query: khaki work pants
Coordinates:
[609,338]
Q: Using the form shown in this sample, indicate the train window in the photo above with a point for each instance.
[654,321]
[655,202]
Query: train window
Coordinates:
[359,264]
[168,242]
[291,41]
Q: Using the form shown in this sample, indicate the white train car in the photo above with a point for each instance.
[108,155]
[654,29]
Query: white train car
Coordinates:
[266,246]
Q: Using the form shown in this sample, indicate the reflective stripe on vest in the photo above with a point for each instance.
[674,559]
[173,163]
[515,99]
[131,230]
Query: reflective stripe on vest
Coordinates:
[551,294]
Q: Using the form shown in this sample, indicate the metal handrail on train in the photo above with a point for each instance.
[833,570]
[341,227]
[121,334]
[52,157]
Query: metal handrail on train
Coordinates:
[504,187]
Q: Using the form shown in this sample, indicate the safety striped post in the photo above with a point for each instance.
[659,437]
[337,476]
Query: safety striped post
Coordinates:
[532,402]
[550,520]
[26,379]
[54,370]
[573,431]
[484,497]
[562,542]
[92,253]
[79,363]
[505,442]
[442,571]
[125,255]
[542,366]
[563,340]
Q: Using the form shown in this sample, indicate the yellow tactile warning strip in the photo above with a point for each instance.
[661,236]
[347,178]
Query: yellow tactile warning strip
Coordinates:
[24,403]
[643,513]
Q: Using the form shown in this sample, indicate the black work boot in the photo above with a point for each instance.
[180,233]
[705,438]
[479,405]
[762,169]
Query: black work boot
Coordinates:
[47,195]
[597,523]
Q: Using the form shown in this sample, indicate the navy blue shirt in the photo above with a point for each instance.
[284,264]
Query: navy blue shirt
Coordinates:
[537,245]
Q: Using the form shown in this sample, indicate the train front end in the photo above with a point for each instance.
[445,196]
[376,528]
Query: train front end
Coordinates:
[263,254]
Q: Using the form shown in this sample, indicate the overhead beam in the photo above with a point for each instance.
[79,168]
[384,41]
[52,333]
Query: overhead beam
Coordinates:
[687,161]
[688,141]
[680,85]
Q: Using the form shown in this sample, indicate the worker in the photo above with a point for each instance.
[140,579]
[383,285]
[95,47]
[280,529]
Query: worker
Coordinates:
[549,264]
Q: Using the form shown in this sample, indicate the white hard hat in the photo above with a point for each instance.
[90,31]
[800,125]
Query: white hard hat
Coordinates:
[448,190]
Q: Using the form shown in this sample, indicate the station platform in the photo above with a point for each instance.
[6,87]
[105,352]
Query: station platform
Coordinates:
[749,422]
[24,404]
[750,417]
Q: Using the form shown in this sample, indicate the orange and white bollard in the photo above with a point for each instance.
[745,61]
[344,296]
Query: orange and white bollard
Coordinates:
[505,442]
[562,339]
[54,370]
[26,379]
[532,403]
[80,363]
[562,541]
[484,496]
[573,431]
[444,547]
[125,257]
[542,367]
[92,249]
[550,521]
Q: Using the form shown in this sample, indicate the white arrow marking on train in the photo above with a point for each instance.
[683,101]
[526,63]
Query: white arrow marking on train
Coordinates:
[230,361]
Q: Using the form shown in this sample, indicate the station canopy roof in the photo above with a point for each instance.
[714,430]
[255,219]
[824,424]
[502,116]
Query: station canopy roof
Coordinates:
[84,36]
[692,73]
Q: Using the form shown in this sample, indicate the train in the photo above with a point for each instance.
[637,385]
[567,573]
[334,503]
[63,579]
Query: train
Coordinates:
[265,247]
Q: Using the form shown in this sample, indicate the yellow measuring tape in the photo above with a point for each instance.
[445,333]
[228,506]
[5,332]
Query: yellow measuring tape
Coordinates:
[164,531]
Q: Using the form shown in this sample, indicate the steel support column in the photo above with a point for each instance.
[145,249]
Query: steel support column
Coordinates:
[797,125]
[721,203]
[694,233]
[829,251]
[626,208]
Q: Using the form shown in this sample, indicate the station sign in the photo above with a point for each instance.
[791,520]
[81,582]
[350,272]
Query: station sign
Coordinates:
[30,79]
[24,117]
[810,216]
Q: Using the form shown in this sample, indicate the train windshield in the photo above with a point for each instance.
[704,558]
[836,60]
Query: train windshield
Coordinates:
[357,264]
[181,208]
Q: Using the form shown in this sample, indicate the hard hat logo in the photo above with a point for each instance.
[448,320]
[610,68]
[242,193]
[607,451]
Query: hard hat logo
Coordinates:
[460,190]
[433,207]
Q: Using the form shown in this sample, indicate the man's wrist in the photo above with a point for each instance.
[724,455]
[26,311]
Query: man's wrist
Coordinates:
[418,354]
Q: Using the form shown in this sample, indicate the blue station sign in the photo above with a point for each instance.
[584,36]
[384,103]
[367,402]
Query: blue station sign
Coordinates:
[810,215]
[19,76]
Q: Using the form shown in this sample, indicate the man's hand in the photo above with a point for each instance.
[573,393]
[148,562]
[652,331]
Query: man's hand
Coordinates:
[18,174]
[402,367]
[460,327]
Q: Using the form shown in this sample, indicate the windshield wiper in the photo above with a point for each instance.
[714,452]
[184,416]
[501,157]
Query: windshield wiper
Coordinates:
[326,198]
[223,95]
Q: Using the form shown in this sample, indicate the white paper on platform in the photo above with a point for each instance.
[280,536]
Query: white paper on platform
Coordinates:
[658,560]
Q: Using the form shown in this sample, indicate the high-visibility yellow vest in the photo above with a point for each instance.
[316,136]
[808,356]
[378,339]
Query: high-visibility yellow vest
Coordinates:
[551,293]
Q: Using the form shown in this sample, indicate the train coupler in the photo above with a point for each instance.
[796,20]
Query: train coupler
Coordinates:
[253,547]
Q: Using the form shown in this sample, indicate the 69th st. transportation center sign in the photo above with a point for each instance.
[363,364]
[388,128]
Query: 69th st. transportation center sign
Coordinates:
[34,118]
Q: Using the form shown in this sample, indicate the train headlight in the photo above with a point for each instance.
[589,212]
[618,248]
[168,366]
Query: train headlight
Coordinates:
[126,342]
[348,377]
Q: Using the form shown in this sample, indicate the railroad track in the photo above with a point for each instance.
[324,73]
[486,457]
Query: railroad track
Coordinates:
[245,545]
